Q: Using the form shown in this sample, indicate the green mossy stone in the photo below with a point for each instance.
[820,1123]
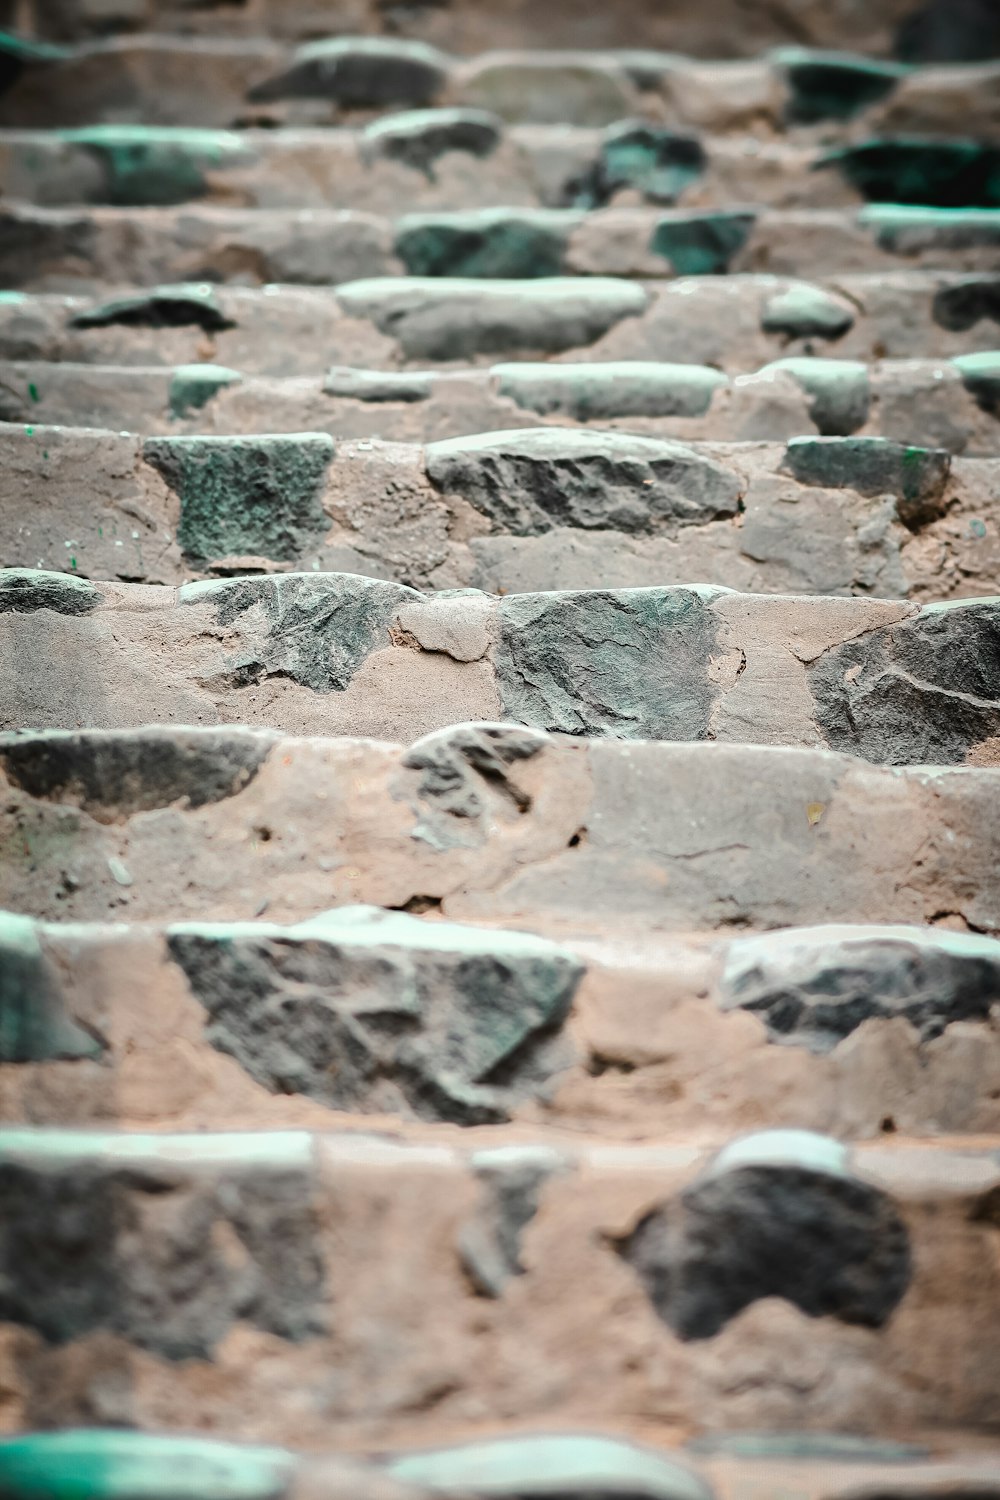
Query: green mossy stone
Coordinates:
[183,305]
[833,85]
[943,174]
[150,165]
[601,391]
[492,243]
[658,163]
[981,377]
[702,244]
[193,386]
[259,495]
[917,477]
[838,391]
[23,590]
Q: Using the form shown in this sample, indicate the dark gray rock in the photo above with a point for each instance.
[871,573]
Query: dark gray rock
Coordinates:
[981,377]
[419,137]
[832,85]
[903,229]
[802,311]
[23,590]
[368,1010]
[34,1024]
[193,386]
[489,1245]
[528,481]
[925,690]
[633,664]
[114,773]
[487,242]
[460,318]
[315,629]
[134,1248]
[813,987]
[239,495]
[702,244]
[950,31]
[965,303]
[360,72]
[917,477]
[464,769]
[660,164]
[181,306]
[948,174]
[762,1224]
[838,390]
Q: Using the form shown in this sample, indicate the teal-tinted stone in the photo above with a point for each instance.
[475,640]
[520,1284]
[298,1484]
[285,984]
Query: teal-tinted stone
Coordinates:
[157,164]
[360,72]
[378,385]
[802,311]
[494,242]
[981,376]
[539,1464]
[419,137]
[815,1447]
[168,306]
[945,174]
[838,391]
[259,495]
[192,386]
[110,1465]
[34,1026]
[600,391]
[658,163]
[833,85]
[18,53]
[702,244]
[918,477]
[902,229]
[23,590]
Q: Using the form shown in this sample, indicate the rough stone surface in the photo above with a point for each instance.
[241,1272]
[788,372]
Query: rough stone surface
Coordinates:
[917,477]
[23,590]
[360,73]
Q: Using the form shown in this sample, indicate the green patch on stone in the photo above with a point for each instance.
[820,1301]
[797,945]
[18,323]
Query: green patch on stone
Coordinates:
[259,495]
[917,477]
[600,391]
[34,1026]
[903,229]
[485,243]
[658,163]
[110,1465]
[147,165]
[803,311]
[701,244]
[943,174]
[833,85]
[193,386]
[981,377]
[838,391]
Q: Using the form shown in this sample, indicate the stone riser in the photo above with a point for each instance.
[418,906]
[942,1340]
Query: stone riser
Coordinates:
[495,823]
[735,323]
[92,503]
[229,1272]
[855,1031]
[65,249]
[913,402]
[329,654]
[209,82]
[426,165]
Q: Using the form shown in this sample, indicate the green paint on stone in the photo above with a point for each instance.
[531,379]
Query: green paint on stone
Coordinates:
[917,477]
[600,391]
[802,311]
[34,1026]
[981,377]
[168,306]
[193,386]
[493,242]
[901,229]
[110,1465]
[259,495]
[944,174]
[838,391]
[146,165]
[833,85]
[658,163]
[418,137]
[701,244]
[23,590]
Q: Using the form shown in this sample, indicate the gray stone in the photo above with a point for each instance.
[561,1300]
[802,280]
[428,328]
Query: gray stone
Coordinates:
[114,773]
[634,664]
[660,164]
[23,590]
[419,137]
[34,1025]
[535,88]
[901,229]
[378,385]
[489,242]
[602,391]
[965,303]
[802,311]
[917,477]
[193,386]
[838,391]
[464,768]
[360,72]
[177,306]
[366,1010]
[489,1245]
[754,1227]
[981,377]
[814,987]
[529,481]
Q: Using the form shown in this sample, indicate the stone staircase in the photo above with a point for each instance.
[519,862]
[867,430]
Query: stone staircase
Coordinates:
[500,750]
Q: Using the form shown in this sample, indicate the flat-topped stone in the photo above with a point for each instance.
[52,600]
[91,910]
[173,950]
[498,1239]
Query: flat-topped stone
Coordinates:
[364,72]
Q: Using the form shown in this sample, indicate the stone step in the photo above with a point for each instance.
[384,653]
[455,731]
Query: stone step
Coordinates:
[330,654]
[509,1464]
[62,249]
[526,510]
[456,158]
[734,322]
[929,30]
[330,1288]
[860,1031]
[492,822]
[949,404]
[211,81]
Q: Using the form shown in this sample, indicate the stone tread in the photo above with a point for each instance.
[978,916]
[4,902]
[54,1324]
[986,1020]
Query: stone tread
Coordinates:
[526,510]
[734,322]
[177,1027]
